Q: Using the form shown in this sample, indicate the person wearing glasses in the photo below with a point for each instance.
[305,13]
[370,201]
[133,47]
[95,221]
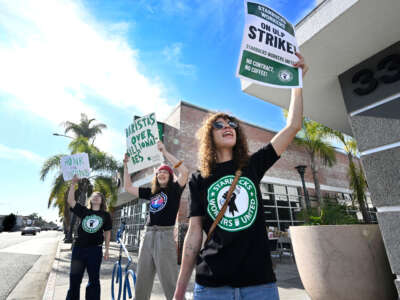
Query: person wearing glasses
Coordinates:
[157,248]
[235,263]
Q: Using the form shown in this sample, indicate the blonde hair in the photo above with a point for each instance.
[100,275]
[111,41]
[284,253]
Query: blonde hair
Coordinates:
[207,150]
[103,205]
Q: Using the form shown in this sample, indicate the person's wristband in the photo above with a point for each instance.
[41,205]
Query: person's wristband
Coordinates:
[178,164]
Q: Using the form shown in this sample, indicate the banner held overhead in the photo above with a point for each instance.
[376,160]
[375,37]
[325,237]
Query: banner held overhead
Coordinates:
[268,48]
[76,164]
[141,140]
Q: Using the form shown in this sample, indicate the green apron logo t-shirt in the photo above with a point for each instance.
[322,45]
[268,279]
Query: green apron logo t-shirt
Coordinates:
[242,208]
[92,223]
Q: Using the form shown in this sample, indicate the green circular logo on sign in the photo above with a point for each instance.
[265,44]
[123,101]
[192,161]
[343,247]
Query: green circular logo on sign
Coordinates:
[242,209]
[92,224]
[285,75]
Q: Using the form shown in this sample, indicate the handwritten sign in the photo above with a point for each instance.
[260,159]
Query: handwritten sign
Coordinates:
[141,140]
[268,48]
[76,164]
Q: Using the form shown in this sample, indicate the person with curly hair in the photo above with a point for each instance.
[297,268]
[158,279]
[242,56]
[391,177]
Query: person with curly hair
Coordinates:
[235,262]
[157,247]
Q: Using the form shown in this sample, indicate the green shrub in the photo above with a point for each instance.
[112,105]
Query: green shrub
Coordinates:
[331,214]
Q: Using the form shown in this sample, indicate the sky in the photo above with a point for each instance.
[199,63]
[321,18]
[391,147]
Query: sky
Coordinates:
[112,60]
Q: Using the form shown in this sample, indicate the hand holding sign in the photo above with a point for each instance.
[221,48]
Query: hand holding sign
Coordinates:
[160,146]
[75,179]
[126,159]
[301,64]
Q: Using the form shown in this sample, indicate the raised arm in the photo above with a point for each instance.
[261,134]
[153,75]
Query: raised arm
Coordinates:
[191,248]
[183,171]
[127,179]
[71,193]
[295,115]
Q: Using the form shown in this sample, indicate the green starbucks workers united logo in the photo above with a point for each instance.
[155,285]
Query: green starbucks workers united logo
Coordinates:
[285,75]
[242,209]
[92,223]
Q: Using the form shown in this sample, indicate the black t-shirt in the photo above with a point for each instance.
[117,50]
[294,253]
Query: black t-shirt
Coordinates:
[93,224]
[238,253]
[164,205]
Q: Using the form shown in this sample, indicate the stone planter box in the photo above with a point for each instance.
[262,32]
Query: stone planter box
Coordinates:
[343,262]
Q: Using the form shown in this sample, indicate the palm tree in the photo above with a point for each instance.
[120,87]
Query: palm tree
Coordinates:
[84,128]
[103,168]
[312,137]
[358,182]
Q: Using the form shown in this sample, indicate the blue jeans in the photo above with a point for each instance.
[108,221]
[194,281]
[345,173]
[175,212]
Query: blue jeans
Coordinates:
[259,292]
[90,259]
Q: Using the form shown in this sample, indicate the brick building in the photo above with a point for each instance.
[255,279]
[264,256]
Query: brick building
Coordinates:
[281,185]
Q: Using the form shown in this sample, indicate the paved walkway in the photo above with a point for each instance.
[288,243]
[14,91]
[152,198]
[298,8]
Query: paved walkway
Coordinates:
[290,287]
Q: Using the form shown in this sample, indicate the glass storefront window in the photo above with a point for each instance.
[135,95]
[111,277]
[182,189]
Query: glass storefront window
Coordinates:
[270,213]
[282,212]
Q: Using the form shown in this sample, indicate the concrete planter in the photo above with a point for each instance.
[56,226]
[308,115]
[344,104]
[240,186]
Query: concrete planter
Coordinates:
[343,262]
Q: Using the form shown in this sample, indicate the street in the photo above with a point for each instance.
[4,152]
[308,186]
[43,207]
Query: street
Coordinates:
[18,254]
[26,261]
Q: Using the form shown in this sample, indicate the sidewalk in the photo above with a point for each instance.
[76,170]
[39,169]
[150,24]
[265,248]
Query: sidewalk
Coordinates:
[290,287]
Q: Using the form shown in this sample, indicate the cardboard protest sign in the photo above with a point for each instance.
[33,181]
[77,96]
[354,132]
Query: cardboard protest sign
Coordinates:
[141,140]
[76,164]
[268,48]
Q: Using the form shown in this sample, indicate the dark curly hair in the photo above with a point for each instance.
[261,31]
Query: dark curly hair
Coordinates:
[207,151]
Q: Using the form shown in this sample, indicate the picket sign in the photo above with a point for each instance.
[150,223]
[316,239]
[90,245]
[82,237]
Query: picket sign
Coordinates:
[268,48]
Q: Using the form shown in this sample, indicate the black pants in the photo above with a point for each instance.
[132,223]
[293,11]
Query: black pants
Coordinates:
[90,259]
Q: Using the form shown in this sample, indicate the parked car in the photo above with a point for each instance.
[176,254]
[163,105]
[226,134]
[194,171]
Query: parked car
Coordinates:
[28,230]
[38,229]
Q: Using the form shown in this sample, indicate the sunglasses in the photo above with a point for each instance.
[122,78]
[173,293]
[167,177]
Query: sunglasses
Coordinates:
[220,125]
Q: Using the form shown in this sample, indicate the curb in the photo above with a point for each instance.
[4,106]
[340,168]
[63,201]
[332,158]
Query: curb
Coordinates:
[51,281]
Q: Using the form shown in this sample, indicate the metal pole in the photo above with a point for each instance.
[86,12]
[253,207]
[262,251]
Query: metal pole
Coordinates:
[302,169]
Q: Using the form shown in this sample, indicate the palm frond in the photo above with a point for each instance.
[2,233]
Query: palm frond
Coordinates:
[101,162]
[107,186]
[103,165]
[79,145]
[57,191]
[84,128]
[49,165]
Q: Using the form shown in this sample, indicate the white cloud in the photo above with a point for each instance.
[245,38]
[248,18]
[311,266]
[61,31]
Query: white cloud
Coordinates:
[171,7]
[18,154]
[54,56]
[112,142]
[173,55]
